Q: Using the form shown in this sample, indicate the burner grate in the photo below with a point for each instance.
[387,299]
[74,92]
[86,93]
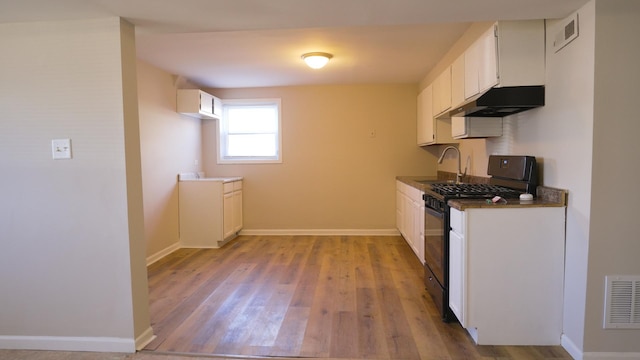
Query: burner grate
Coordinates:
[466,190]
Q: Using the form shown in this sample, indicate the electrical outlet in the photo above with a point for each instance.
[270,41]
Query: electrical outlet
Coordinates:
[61,149]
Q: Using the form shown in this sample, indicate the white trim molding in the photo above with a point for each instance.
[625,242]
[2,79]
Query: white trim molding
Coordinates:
[162,253]
[610,356]
[577,354]
[68,343]
[571,347]
[322,232]
[145,338]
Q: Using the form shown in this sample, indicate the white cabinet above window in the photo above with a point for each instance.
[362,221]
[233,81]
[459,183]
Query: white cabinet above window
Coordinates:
[197,103]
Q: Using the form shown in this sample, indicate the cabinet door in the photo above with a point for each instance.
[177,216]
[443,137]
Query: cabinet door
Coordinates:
[206,102]
[227,217]
[457,82]
[425,126]
[488,56]
[409,221]
[418,230]
[398,207]
[237,211]
[442,92]
[402,213]
[457,276]
[471,68]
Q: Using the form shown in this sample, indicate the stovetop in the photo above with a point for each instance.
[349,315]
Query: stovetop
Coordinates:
[473,190]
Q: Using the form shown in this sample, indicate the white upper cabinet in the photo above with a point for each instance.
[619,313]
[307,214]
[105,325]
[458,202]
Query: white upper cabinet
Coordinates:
[480,64]
[488,64]
[457,81]
[431,130]
[471,70]
[509,53]
[442,92]
[197,103]
[425,126]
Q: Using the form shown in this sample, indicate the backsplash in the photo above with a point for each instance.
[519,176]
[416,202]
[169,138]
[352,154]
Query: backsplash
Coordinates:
[445,175]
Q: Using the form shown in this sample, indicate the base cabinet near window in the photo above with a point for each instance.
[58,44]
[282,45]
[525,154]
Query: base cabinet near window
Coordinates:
[506,269]
[210,211]
[410,217]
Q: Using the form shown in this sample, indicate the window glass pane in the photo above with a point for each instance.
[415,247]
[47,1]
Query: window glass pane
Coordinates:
[252,145]
[250,131]
[252,119]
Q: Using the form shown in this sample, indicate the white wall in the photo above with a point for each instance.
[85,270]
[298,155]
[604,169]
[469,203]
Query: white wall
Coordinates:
[66,273]
[170,144]
[560,135]
[334,176]
[614,247]
[584,139]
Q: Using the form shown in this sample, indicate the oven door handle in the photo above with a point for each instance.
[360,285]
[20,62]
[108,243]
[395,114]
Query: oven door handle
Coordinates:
[433,212]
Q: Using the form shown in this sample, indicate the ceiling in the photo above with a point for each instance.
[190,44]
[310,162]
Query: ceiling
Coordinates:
[254,43]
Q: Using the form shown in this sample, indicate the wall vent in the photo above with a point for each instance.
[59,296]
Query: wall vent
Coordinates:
[622,302]
[566,33]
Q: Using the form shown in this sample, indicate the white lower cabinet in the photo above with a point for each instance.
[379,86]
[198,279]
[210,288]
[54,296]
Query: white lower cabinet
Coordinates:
[506,269]
[232,208]
[457,274]
[410,217]
[210,211]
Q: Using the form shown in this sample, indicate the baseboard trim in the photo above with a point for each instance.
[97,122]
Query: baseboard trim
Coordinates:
[610,356]
[162,253]
[68,343]
[145,338]
[577,354]
[571,347]
[322,232]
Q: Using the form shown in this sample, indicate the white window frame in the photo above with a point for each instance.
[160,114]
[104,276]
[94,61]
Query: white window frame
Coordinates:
[223,158]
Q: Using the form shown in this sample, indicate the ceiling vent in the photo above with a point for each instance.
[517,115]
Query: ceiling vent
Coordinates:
[622,302]
[566,33]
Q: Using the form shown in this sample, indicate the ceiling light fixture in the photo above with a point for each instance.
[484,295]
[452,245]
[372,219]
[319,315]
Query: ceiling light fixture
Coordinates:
[316,60]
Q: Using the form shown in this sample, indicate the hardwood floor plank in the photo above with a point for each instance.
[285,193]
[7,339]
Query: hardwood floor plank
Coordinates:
[371,332]
[175,312]
[343,333]
[189,334]
[344,297]
[317,339]
[272,315]
[291,332]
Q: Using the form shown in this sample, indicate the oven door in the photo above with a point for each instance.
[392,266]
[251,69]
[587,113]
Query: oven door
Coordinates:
[434,243]
[436,268]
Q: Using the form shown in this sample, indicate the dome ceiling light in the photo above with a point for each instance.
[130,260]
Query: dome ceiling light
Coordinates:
[316,60]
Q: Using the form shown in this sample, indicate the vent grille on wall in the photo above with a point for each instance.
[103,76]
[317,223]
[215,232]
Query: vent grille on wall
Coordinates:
[566,33]
[622,302]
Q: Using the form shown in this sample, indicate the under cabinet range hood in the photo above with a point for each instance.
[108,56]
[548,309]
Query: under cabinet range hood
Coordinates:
[502,101]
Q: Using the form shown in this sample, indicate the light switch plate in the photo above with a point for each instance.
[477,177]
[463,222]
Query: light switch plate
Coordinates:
[61,149]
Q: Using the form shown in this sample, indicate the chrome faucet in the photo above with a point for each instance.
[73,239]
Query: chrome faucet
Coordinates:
[459,173]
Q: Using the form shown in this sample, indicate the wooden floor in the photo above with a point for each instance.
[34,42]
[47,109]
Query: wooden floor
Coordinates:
[307,296]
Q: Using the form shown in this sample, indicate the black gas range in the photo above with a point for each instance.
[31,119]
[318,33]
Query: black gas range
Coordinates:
[511,176]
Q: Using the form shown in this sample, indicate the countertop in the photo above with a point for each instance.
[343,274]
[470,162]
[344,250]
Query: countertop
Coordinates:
[546,196]
[201,177]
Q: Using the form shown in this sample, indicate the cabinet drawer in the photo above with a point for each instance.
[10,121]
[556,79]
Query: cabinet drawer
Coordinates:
[237,185]
[227,187]
[456,221]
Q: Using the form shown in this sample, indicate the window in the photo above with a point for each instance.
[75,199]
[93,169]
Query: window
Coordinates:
[249,131]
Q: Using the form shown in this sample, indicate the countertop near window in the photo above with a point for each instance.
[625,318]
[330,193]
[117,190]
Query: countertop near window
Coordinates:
[545,196]
[200,177]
